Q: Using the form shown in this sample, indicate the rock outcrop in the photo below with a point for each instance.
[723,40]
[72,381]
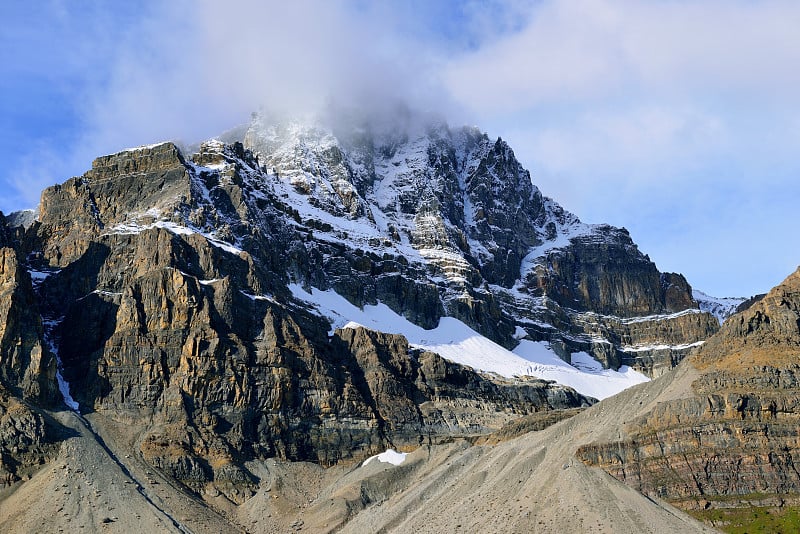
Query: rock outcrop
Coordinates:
[27,441]
[653,344]
[733,441]
[604,272]
[27,367]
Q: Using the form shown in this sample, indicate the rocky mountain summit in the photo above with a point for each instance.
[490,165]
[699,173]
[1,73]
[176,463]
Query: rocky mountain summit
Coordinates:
[498,255]
[207,303]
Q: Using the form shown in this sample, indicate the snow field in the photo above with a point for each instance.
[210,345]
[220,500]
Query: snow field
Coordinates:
[389,457]
[459,343]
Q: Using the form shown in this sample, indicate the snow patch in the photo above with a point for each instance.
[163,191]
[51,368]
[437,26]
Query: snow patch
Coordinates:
[37,277]
[219,166]
[132,227]
[389,457]
[641,348]
[719,307]
[257,297]
[459,343]
[661,317]
[63,385]
[585,374]
[100,292]
[140,148]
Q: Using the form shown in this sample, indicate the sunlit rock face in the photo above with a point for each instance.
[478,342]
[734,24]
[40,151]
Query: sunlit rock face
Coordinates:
[27,368]
[462,208]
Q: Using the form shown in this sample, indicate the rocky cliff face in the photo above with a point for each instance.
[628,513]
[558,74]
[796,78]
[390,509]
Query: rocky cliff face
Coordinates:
[427,220]
[161,284]
[653,344]
[603,271]
[733,441]
[27,368]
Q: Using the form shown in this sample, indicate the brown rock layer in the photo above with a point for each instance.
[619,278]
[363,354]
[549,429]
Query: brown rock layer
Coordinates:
[738,435]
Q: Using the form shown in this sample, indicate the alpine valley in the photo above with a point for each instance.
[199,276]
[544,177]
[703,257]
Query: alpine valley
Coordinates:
[353,326]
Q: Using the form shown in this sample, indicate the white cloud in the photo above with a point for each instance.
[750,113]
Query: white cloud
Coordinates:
[196,69]
[643,136]
[675,119]
[593,49]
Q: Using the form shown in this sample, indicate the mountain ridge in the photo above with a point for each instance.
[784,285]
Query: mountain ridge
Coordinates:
[181,295]
[429,252]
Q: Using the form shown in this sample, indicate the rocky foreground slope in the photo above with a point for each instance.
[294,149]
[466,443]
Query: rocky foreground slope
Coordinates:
[732,439]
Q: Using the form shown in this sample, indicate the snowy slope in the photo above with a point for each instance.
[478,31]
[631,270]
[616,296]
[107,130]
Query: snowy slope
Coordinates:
[721,308]
[457,342]
[391,456]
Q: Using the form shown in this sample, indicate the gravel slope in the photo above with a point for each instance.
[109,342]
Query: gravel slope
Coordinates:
[93,485]
[532,483]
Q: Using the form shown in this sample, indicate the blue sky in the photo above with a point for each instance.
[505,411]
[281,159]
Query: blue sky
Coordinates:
[677,120]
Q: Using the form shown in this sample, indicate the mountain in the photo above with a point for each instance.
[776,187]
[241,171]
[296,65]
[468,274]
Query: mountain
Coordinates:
[308,293]
[729,441]
[503,258]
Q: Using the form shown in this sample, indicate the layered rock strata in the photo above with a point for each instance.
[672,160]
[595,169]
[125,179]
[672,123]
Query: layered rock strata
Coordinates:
[734,440]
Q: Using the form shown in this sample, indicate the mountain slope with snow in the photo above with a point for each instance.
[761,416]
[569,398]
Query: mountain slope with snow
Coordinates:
[459,343]
[433,222]
[316,293]
[719,307]
[465,216]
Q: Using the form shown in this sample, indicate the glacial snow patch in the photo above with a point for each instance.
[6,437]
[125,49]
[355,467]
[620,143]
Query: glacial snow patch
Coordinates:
[63,386]
[459,343]
[389,457]
[719,307]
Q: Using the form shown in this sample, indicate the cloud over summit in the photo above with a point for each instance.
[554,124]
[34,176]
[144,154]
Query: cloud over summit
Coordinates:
[659,116]
[198,67]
